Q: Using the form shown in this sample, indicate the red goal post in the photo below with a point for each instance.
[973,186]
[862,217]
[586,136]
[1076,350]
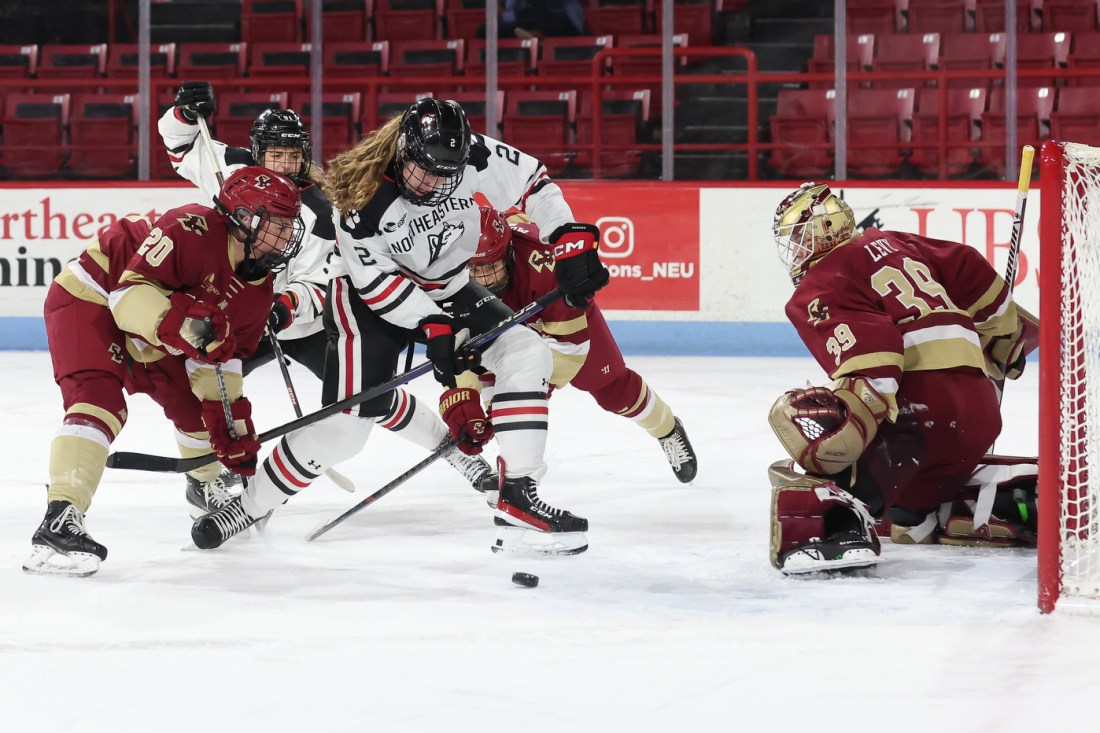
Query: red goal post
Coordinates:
[1069,350]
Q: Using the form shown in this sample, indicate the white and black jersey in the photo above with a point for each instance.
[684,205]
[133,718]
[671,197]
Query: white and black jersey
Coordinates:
[308,273]
[404,259]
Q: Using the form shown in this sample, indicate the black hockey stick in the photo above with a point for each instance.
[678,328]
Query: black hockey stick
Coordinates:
[166,464]
[432,458]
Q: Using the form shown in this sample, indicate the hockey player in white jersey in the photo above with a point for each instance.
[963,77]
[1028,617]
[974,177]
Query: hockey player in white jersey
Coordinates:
[281,142]
[407,224]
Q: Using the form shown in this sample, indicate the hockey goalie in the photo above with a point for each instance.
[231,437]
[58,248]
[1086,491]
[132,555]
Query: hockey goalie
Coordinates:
[911,332]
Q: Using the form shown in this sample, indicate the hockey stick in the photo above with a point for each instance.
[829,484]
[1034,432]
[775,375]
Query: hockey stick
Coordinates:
[335,476]
[165,464]
[432,458]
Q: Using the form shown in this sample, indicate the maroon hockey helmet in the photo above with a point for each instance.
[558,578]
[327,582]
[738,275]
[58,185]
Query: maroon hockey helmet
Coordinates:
[265,208]
[489,265]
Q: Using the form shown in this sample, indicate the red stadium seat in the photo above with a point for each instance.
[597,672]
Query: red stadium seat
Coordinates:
[441,59]
[906,52]
[344,60]
[123,60]
[34,134]
[964,117]
[940,16]
[620,17]
[342,21]
[1071,16]
[859,52]
[462,18]
[211,61]
[279,59]
[388,105]
[340,113]
[473,103]
[624,115]
[628,66]
[1041,51]
[803,126]
[541,124]
[237,112]
[1085,54]
[69,61]
[695,18]
[879,116]
[978,51]
[515,56]
[572,56]
[18,61]
[1034,106]
[271,21]
[1077,117]
[101,131]
[875,16]
[407,20]
[989,16]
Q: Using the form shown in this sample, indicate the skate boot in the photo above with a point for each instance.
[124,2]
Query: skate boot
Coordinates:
[525,522]
[680,454]
[213,529]
[210,496]
[842,551]
[473,468]
[229,479]
[61,545]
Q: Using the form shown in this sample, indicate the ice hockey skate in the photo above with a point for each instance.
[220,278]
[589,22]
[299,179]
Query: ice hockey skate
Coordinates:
[212,530]
[62,546]
[474,469]
[209,496]
[843,551]
[680,454]
[526,523]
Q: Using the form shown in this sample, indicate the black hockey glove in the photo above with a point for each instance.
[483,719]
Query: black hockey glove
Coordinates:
[282,313]
[577,264]
[447,360]
[196,99]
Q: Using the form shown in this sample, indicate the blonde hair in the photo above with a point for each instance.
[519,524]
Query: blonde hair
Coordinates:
[355,175]
[315,174]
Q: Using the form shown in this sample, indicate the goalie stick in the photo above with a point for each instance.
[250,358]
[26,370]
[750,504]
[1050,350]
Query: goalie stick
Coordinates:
[166,464]
[432,458]
[1011,268]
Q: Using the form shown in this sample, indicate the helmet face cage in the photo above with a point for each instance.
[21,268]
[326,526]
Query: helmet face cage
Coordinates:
[808,223]
[434,137]
[281,129]
[265,208]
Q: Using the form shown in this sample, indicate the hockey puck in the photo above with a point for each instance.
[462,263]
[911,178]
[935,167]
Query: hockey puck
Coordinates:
[525,579]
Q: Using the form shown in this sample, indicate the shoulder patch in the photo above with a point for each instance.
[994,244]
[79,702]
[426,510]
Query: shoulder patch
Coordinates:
[194,223]
[368,221]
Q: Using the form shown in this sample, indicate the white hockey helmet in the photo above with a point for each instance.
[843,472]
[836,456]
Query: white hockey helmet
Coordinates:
[809,222]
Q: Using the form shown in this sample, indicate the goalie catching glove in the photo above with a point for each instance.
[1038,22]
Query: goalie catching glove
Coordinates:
[826,430]
[238,453]
[461,410]
[577,265]
[196,329]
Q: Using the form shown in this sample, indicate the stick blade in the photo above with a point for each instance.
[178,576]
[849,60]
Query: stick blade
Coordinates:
[142,462]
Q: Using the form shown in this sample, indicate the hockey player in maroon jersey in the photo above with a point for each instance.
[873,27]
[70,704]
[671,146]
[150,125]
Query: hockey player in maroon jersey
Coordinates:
[151,310]
[513,263]
[905,327]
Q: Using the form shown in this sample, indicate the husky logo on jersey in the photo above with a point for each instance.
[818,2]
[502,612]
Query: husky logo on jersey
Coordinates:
[390,227]
[194,223]
[437,242]
[817,311]
[540,259]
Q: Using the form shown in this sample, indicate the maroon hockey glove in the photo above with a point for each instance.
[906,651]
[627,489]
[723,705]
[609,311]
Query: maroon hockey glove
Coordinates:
[282,313]
[577,265]
[196,99]
[447,362]
[237,453]
[461,410]
[196,329]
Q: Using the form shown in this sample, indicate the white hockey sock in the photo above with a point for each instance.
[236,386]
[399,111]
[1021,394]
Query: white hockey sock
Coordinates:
[522,364]
[301,457]
[414,422]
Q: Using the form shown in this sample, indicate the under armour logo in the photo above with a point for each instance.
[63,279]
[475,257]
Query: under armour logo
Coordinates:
[313,464]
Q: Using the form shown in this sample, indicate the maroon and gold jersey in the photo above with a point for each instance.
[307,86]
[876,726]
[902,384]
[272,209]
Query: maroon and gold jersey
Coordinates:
[886,303]
[189,250]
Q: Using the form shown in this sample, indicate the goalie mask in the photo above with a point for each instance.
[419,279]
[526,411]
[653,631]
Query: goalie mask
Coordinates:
[264,212]
[808,223]
[490,265]
[433,148]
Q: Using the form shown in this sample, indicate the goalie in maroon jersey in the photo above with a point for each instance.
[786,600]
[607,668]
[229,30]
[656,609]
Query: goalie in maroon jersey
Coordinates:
[513,263]
[910,330]
[151,310]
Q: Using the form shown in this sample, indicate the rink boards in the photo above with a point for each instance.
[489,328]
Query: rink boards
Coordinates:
[694,267]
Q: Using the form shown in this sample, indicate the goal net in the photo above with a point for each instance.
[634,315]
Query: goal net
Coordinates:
[1069,402]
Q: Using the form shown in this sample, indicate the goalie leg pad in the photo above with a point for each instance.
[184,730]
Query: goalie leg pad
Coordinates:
[1003,514]
[818,527]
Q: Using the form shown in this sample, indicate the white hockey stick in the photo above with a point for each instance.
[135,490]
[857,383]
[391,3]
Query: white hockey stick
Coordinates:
[335,476]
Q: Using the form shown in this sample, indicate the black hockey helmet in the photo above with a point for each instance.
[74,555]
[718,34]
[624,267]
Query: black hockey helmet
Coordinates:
[282,128]
[435,135]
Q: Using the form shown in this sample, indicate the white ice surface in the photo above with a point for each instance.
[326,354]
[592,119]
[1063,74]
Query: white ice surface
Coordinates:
[402,620]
